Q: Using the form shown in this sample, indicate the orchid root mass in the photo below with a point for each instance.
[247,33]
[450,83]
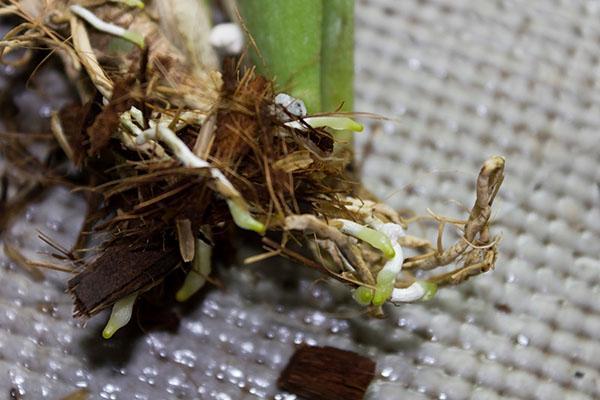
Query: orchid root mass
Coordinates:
[177,150]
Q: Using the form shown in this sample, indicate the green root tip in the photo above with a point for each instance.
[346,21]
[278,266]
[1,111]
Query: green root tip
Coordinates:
[120,315]
[363,295]
[388,252]
[135,37]
[193,282]
[137,3]
[183,295]
[355,126]
[430,290]
[385,286]
[132,3]
[377,240]
[386,279]
[382,294]
[337,123]
[243,219]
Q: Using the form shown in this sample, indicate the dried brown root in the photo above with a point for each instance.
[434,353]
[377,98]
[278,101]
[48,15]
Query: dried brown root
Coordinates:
[476,246]
[340,251]
[309,224]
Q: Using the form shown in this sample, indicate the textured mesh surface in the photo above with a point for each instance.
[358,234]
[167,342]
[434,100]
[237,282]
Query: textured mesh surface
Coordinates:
[466,80]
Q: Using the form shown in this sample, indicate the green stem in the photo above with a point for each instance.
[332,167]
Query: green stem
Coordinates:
[337,62]
[337,55]
[288,37]
[307,46]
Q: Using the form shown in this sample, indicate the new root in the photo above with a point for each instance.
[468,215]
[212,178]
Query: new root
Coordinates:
[382,230]
[161,131]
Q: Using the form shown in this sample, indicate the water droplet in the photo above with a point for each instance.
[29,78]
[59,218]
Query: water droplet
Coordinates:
[45,111]
[386,372]
[54,225]
[414,64]
[522,340]
[429,360]
[482,110]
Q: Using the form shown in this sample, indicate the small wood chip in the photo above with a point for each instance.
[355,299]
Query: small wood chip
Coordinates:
[327,373]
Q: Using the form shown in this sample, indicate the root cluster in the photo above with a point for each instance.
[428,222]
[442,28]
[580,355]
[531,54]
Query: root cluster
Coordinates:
[172,151]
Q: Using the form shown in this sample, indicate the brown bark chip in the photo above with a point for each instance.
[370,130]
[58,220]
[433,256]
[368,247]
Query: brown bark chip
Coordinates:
[327,373]
[119,271]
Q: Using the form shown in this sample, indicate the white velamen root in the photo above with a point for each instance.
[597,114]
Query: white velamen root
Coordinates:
[107,27]
[420,290]
[160,131]
[386,278]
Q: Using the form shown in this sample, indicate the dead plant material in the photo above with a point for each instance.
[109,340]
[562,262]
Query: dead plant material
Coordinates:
[477,248]
[186,239]
[70,126]
[168,147]
[14,254]
[119,271]
[311,224]
[316,373]
[106,123]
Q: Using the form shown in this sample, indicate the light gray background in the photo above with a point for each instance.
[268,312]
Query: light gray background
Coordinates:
[465,80]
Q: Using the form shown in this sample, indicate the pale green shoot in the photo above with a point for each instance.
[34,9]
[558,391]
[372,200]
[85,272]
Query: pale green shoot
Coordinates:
[131,3]
[333,122]
[243,218]
[201,268]
[363,295]
[377,239]
[120,315]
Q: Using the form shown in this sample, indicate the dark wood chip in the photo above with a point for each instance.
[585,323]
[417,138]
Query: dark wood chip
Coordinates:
[327,373]
[119,271]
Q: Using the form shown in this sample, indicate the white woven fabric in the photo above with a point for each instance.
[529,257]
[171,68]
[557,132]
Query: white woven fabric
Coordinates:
[465,80]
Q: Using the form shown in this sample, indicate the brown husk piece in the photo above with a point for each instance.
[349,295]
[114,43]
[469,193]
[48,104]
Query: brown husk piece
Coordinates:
[119,271]
[327,373]
[288,179]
